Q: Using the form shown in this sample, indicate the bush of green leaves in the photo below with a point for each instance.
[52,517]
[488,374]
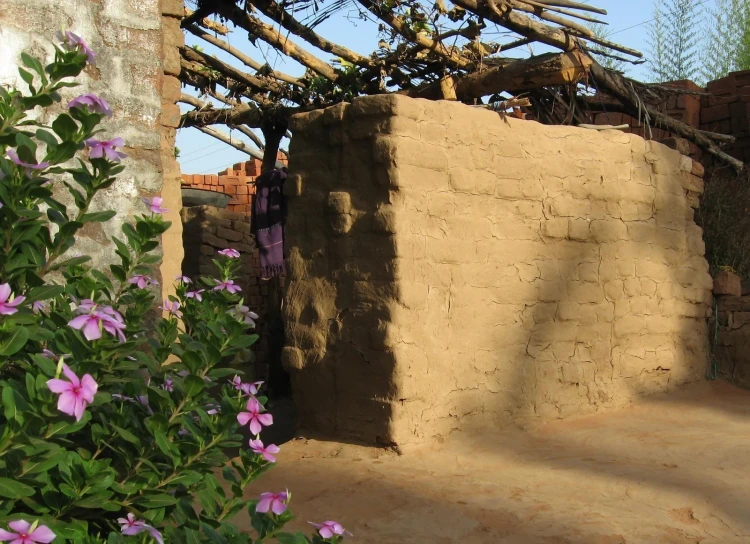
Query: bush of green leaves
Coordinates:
[116,422]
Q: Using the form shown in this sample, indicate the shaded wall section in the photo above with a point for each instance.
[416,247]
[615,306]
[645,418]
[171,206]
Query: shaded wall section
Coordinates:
[451,268]
[732,348]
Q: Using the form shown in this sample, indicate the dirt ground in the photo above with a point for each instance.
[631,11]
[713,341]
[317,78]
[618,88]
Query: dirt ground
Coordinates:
[669,470]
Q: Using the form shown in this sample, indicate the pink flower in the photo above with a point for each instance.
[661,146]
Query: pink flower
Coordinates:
[266,451]
[228,286]
[101,148]
[247,388]
[212,409]
[275,502]
[155,205]
[48,354]
[172,308]
[195,294]
[73,42]
[254,416]
[38,306]
[184,279]
[131,526]
[99,317]
[8,302]
[13,156]
[329,528]
[75,394]
[142,281]
[168,385]
[244,313]
[231,253]
[93,103]
[25,535]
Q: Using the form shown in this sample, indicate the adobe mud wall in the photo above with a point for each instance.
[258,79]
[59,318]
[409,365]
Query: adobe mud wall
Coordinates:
[451,268]
[137,62]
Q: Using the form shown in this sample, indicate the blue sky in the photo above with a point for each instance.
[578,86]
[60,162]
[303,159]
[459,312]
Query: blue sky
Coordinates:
[202,154]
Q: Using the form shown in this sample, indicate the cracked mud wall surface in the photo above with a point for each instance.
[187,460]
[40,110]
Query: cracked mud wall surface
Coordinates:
[451,268]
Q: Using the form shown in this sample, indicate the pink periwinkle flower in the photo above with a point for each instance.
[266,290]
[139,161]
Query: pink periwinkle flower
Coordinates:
[184,279]
[228,285]
[244,313]
[13,156]
[212,409]
[8,303]
[168,385]
[266,451]
[328,529]
[48,354]
[247,388]
[229,252]
[275,502]
[39,305]
[75,394]
[155,205]
[172,308]
[93,103]
[99,317]
[23,533]
[142,281]
[73,42]
[255,416]
[131,526]
[195,294]
[102,148]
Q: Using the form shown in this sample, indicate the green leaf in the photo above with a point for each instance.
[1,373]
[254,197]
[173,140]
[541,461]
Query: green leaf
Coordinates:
[12,489]
[14,341]
[9,403]
[127,435]
[26,76]
[157,500]
[193,385]
[289,538]
[65,127]
[99,217]
[45,292]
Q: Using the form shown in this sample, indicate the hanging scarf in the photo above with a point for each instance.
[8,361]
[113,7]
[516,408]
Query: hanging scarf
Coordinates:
[268,216]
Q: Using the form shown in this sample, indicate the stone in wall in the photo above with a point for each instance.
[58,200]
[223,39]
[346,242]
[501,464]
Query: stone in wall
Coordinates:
[128,38]
[451,268]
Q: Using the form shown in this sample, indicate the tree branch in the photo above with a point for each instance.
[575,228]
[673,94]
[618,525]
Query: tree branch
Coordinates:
[551,69]
[244,114]
[275,39]
[420,38]
[273,11]
[251,81]
[239,55]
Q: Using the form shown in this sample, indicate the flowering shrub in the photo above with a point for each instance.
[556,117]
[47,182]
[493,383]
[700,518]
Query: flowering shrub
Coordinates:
[115,421]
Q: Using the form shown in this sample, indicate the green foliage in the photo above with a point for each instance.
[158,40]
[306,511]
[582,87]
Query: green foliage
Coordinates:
[723,51]
[150,442]
[674,40]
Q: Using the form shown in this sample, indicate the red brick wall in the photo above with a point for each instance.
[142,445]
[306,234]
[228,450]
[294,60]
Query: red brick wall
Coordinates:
[726,109]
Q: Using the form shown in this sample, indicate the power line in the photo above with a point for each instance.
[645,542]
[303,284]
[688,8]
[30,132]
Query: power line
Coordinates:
[650,20]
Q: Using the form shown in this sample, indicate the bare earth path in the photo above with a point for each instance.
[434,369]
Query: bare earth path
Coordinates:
[672,470]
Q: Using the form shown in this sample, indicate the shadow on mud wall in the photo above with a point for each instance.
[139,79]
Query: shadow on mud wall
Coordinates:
[340,288]
[653,338]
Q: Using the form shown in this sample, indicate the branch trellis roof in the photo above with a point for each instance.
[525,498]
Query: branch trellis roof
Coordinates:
[427,50]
